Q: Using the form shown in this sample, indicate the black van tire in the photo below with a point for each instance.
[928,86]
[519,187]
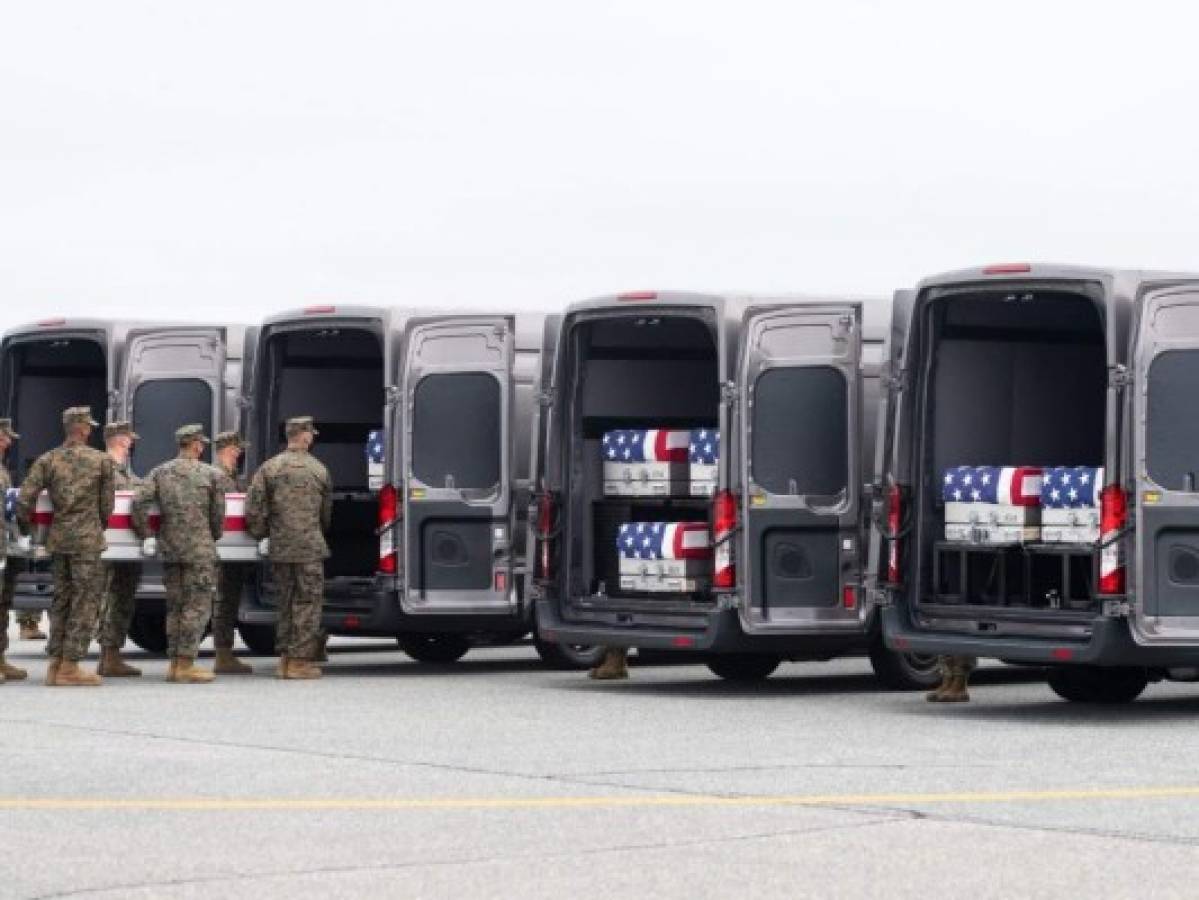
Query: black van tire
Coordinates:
[259,638]
[744,667]
[568,657]
[903,671]
[434,648]
[1092,684]
[149,632]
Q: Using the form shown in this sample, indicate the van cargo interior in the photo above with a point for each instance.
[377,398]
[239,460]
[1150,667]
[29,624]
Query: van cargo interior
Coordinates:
[631,371]
[45,377]
[335,375]
[1013,378]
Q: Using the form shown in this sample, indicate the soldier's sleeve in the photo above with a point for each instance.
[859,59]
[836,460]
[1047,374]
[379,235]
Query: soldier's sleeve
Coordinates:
[216,508]
[257,507]
[108,488]
[147,493]
[34,484]
[326,501]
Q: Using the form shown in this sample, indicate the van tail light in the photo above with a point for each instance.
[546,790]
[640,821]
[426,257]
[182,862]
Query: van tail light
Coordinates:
[389,508]
[724,526]
[894,524]
[546,539]
[1113,516]
[1007,269]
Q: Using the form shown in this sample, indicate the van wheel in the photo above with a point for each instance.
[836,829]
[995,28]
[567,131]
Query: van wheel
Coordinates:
[744,667]
[1092,684]
[568,657]
[259,638]
[149,631]
[903,671]
[434,648]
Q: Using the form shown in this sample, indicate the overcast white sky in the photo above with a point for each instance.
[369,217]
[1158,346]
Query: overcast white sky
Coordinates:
[232,159]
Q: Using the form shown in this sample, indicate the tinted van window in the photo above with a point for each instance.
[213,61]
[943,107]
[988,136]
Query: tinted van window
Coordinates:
[801,431]
[456,430]
[1172,439]
[160,407]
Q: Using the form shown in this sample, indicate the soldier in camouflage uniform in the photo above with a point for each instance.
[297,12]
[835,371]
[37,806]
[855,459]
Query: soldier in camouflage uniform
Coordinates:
[7,672]
[231,577]
[191,509]
[120,578]
[289,507]
[28,619]
[81,484]
[955,673]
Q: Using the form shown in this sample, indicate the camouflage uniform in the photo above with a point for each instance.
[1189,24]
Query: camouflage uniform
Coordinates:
[81,483]
[955,673]
[192,509]
[120,582]
[231,577]
[7,672]
[290,502]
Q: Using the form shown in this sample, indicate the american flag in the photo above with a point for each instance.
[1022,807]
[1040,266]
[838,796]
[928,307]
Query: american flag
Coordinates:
[374,447]
[10,504]
[1007,485]
[646,445]
[664,540]
[1071,487]
[705,446]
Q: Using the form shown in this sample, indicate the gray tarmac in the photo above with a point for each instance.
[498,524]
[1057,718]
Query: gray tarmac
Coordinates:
[496,778]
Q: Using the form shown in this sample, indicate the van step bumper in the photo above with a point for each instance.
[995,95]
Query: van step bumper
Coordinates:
[1110,644]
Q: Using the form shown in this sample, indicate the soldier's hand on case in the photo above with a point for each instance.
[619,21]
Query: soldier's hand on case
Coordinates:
[150,547]
[264,547]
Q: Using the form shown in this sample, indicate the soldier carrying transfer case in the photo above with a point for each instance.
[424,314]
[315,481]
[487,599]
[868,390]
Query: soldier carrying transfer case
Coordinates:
[289,508]
[191,509]
[120,578]
[81,485]
[7,672]
[231,577]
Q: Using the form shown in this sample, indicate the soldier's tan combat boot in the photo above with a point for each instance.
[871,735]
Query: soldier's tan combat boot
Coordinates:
[302,670]
[187,672]
[615,665]
[112,666]
[281,669]
[70,675]
[228,664]
[9,672]
[52,670]
[30,632]
[956,691]
[937,694]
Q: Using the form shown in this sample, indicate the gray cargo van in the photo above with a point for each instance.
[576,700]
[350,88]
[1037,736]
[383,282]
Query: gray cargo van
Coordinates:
[159,375]
[427,540]
[788,388]
[1046,366]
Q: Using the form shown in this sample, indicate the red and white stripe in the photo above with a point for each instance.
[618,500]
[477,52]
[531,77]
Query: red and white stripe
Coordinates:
[662,445]
[687,540]
[1020,486]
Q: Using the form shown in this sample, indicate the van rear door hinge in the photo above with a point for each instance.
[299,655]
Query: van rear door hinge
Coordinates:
[545,398]
[393,394]
[1119,377]
[894,380]
[728,393]
[1116,609]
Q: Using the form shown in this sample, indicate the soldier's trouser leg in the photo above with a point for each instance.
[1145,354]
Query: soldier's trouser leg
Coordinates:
[230,580]
[78,581]
[120,598]
[301,596]
[7,590]
[197,589]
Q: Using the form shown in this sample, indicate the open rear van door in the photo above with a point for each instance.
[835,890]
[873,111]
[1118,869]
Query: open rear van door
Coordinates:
[800,426]
[457,499]
[1166,453]
[171,377]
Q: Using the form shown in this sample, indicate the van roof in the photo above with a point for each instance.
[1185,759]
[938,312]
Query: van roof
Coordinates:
[1000,272]
[111,327]
[529,325]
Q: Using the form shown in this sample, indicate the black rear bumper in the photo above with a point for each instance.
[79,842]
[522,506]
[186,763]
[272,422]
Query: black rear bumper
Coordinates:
[1109,644]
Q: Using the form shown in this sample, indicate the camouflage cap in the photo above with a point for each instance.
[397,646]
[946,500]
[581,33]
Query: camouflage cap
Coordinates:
[188,433]
[229,439]
[79,415]
[6,430]
[300,424]
[116,429]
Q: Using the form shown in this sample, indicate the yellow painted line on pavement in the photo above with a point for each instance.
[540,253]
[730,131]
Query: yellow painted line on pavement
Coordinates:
[272,804]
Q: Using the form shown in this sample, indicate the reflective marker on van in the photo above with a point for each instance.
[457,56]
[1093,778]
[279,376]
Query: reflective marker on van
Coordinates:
[319,310]
[849,597]
[682,641]
[1007,269]
[51,323]
[638,295]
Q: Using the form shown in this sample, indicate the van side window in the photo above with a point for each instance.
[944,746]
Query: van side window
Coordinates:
[1172,427]
[801,431]
[160,407]
[456,430]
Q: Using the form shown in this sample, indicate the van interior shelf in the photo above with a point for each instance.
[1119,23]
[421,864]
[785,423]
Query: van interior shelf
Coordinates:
[1029,576]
